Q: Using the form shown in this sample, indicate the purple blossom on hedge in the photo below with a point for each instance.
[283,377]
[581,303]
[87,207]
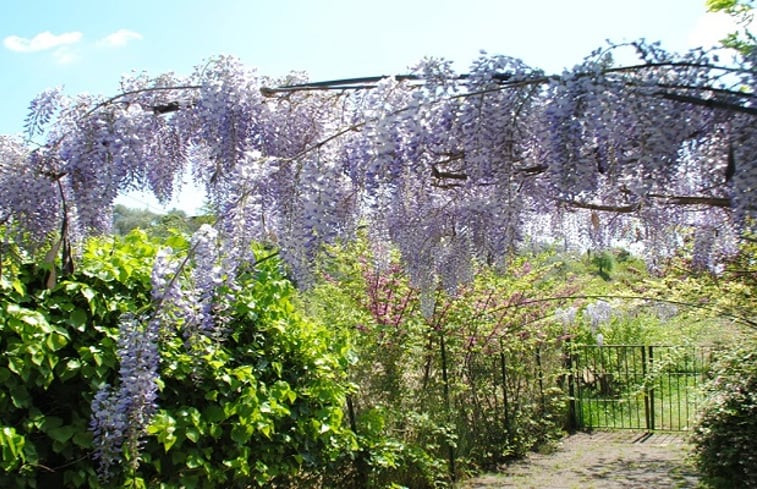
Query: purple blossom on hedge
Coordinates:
[120,416]
[207,276]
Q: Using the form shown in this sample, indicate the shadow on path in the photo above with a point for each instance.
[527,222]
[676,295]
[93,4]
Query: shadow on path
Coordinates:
[601,460]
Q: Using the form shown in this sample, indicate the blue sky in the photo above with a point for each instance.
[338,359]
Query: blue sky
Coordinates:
[87,45]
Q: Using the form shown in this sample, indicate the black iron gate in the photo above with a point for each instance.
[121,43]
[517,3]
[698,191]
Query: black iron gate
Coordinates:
[636,387]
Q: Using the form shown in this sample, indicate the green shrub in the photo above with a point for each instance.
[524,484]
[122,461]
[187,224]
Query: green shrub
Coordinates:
[263,407]
[725,438]
[461,390]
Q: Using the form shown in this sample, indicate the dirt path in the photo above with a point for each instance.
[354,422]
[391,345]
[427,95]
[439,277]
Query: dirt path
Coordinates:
[600,461]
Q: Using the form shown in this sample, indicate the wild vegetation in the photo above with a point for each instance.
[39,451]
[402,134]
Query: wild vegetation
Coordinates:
[349,384]
[724,437]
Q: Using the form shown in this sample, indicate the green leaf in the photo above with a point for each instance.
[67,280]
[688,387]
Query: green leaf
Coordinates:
[18,286]
[214,413]
[12,445]
[70,369]
[194,461]
[83,438]
[192,434]
[37,355]
[50,422]
[88,293]
[215,431]
[19,396]
[78,319]
[135,483]
[241,433]
[31,318]
[266,429]
[19,367]
[164,427]
[61,434]
[56,341]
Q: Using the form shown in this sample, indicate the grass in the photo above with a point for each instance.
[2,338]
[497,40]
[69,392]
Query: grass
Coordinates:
[638,387]
[675,399]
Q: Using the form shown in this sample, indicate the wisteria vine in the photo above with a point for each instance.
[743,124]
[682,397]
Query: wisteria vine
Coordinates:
[449,168]
[120,416]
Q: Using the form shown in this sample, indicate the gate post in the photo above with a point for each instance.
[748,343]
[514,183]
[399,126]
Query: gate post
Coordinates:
[568,364]
[505,402]
[647,419]
[651,390]
[361,465]
[445,379]
[541,380]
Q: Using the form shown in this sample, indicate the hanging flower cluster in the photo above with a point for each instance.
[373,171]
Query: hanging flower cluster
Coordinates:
[448,167]
[120,416]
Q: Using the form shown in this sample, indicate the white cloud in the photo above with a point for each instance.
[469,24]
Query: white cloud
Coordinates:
[40,42]
[119,38]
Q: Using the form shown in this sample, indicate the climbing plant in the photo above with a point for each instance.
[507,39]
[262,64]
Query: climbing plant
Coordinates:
[86,401]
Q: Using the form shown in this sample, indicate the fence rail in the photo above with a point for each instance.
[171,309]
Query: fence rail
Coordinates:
[636,386]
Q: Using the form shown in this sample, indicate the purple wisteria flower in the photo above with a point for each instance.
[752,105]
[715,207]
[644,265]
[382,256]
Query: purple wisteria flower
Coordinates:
[441,164]
[599,312]
[121,415]
[207,276]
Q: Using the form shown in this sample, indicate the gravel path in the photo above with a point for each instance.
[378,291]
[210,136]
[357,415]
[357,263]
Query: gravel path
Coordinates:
[602,460]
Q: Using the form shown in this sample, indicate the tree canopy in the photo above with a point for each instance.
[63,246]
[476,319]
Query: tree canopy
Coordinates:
[448,167]
[740,10]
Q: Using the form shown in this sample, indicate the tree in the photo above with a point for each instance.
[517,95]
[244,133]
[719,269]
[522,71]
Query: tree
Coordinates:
[125,219]
[743,40]
[175,220]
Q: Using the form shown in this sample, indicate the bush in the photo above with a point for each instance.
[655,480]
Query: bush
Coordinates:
[471,384]
[725,437]
[262,407]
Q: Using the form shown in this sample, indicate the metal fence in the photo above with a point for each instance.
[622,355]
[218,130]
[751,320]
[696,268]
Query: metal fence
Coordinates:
[636,387]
